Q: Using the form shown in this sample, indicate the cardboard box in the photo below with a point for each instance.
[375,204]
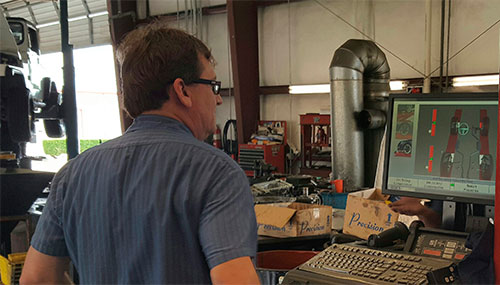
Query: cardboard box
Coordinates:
[293,219]
[367,213]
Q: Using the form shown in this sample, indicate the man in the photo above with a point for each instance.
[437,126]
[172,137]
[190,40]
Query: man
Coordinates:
[156,205]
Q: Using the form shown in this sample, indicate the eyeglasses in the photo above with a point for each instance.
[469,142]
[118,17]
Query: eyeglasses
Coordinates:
[215,84]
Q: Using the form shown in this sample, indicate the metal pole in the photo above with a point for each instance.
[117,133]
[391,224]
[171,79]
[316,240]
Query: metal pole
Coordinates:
[69,94]
[428,46]
[443,7]
[448,46]
[496,244]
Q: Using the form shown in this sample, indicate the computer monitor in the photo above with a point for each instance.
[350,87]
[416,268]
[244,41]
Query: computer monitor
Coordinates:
[442,146]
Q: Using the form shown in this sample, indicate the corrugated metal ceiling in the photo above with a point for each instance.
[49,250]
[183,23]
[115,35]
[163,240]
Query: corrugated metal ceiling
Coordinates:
[88,21]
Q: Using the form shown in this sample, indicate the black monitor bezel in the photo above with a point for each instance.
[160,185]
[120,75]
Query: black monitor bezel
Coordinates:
[483,96]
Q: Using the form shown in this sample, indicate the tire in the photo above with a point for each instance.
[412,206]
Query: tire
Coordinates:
[18,109]
[44,89]
[54,128]
[404,128]
[407,148]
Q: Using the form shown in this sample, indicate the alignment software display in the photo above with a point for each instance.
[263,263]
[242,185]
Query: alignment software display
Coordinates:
[442,147]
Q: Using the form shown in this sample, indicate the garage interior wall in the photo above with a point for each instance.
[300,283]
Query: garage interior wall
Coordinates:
[297,41]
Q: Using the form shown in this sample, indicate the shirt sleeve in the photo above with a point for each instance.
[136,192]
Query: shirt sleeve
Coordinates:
[49,235]
[228,227]
[435,205]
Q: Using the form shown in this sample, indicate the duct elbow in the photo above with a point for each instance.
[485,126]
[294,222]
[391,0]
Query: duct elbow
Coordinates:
[365,57]
[370,119]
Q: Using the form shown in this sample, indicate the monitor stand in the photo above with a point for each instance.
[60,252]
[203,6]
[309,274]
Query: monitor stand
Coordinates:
[472,223]
[489,212]
[448,218]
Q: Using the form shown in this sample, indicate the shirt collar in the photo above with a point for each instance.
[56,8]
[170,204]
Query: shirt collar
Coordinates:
[143,122]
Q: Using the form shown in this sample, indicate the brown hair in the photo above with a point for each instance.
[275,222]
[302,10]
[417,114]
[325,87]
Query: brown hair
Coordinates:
[153,56]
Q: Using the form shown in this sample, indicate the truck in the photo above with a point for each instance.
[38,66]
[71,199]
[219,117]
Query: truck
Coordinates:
[25,96]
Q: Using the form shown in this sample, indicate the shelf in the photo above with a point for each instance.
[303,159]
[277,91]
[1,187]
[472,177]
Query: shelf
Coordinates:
[322,171]
[318,144]
[314,129]
[315,119]
[321,158]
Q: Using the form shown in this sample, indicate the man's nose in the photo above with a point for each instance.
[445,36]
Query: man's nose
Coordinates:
[218,99]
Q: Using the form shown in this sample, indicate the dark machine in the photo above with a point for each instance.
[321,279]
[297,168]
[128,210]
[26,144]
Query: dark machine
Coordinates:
[398,255]
[294,188]
[20,106]
[19,189]
[450,161]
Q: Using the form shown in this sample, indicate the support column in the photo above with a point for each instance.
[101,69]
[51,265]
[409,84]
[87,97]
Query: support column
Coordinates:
[496,245]
[122,19]
[243,31]
[69,93]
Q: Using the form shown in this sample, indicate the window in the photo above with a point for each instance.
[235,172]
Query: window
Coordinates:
[97,104]
[34,40]
[17,32]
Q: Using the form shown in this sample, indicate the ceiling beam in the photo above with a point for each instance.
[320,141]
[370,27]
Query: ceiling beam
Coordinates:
[17,5]
[214,10]
[89,21]
[56,8]
[30,9]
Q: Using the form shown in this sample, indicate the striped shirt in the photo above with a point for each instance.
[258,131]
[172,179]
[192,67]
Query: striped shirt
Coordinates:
[152,206]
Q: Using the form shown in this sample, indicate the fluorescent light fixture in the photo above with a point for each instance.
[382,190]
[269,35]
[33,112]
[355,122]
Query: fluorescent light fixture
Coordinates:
[309,89]
[93,15]
[475,80]
[47,25]
[398,85]
[325,88]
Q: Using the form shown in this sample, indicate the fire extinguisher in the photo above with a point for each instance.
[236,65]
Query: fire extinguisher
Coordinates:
[230,146]
[217,143]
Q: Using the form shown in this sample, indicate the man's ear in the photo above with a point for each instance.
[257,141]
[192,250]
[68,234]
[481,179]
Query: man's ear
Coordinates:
[180,91]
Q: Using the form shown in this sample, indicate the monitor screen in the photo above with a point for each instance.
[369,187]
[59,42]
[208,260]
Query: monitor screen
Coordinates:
[442,146]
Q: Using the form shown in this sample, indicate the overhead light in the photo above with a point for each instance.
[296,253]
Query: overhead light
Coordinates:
[398,85]
[309,89]
[93,15]
[475,80]
[325,88]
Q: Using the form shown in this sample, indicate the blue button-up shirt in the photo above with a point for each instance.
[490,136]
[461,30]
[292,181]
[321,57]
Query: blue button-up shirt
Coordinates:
[152,206]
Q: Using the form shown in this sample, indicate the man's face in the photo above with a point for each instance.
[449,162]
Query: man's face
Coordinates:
[204,102]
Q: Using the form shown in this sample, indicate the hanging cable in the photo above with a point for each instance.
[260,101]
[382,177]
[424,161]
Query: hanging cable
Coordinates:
[201,20]
[467,45]
[397,57]
[368,37]
[178,24]
[186,14]
[230,79]
[441,46]
[290,98]
[191,10]
[448,45]
[194,8]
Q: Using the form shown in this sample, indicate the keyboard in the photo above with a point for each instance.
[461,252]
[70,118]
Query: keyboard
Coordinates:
[356,264]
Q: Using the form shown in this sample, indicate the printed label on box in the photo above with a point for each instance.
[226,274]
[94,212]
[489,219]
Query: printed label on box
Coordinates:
[364,216]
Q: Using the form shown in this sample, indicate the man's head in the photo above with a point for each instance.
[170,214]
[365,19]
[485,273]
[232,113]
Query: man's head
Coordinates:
[161,65]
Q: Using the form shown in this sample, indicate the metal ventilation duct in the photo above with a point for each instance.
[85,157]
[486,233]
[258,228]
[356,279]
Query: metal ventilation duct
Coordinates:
[359,82]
